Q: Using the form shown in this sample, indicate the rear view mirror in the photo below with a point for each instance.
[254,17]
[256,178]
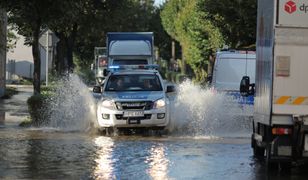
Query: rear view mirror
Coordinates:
[97,89]
[209,78]
[246,88]
[170,89]
[105,72]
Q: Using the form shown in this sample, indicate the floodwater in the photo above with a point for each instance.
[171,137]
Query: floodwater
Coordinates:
[56,152]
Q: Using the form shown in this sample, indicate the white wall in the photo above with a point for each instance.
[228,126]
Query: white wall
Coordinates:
[22,55]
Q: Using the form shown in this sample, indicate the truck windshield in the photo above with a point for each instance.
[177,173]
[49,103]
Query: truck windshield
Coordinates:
[129,61]
[134,82]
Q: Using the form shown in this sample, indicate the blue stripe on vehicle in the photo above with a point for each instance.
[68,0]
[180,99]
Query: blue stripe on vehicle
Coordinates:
[242,99]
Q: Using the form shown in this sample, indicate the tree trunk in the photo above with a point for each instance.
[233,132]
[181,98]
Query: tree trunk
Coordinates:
[183,70]
[59,62]
[3,24]
[70,47]
[36,58]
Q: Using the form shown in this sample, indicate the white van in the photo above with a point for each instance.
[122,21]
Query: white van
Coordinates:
[229,68]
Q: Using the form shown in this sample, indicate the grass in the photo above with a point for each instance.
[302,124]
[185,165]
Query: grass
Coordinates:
[9,92]
[26,123]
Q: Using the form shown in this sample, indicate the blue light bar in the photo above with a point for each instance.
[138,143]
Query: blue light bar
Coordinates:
[133,67]
[114,67]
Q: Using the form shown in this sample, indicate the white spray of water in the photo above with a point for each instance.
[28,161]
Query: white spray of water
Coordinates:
[73,106]
[200,112]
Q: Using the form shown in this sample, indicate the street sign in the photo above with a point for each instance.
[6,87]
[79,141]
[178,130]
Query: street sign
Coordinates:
[52,39]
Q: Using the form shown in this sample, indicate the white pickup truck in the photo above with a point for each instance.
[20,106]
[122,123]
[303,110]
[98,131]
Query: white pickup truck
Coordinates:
[133,99]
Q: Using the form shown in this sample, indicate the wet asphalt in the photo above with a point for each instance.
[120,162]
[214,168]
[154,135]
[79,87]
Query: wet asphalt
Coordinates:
[45,153]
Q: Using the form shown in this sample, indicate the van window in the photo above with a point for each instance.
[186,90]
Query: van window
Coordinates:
[229,72]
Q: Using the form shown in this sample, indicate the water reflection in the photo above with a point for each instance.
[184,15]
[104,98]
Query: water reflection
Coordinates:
[118,158]
[104,162]
[158,163]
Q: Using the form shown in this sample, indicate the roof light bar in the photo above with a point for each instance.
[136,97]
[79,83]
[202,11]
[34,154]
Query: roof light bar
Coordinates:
[133,67]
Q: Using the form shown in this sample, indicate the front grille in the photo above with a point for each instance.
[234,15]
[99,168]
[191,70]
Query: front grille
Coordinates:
[139,105]
[146,116]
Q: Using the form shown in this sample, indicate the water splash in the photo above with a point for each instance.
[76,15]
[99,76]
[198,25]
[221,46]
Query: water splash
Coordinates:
[201,112]
[73,106]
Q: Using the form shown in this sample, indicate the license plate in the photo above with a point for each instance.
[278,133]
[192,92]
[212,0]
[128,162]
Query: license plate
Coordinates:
[306,143]
[133,121]
[133,114]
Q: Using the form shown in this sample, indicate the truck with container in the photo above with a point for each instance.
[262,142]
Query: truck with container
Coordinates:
[280,121]
[130,48]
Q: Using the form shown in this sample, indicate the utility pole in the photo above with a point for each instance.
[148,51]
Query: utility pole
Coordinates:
[47,56]
[3,39]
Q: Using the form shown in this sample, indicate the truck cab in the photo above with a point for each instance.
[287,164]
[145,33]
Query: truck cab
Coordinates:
[133,98]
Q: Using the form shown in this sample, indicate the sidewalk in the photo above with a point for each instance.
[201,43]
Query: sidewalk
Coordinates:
[15,110]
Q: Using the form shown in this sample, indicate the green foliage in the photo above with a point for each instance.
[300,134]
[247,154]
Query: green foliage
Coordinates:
[184,21]
[37,105]
[25,82]
[236,19]
[175,77]
[11,39]
[26,123]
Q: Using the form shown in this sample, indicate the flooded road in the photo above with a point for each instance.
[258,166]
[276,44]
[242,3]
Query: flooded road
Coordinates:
[44,154]
[51,153]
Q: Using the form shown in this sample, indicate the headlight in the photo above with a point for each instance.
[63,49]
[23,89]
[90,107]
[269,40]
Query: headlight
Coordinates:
[159,103]
[108,104]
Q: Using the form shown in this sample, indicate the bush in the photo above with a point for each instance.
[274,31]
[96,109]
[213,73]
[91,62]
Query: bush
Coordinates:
[26,81]
[36,106]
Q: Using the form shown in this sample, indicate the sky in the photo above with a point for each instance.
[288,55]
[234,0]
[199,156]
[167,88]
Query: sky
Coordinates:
[158,2]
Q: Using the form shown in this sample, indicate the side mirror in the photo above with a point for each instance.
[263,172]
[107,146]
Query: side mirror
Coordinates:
[170,89]
[105,72]
[209,78]
[246,88]
[97,89]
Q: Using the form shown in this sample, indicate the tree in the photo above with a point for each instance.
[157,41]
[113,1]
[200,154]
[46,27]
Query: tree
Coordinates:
[199,37]
[28,17]
[236,19]
[3,25]
[110,16]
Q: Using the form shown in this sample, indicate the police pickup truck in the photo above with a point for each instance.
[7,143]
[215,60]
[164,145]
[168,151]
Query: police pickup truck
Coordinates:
[133,97]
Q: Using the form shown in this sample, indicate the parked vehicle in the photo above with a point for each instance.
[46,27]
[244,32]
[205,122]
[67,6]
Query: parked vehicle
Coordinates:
[229,68]
[100,64]
[133,98]
[280,131]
